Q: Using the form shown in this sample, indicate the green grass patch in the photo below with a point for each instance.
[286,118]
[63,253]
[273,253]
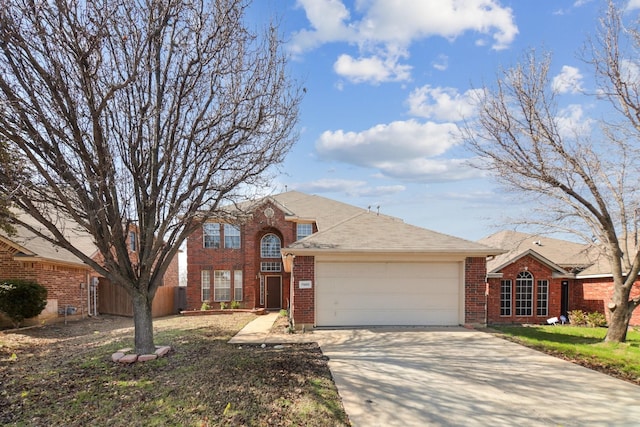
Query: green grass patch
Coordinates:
[582,345]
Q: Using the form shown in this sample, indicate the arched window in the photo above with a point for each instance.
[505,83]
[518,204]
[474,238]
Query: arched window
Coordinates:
[270,246]
[524,294]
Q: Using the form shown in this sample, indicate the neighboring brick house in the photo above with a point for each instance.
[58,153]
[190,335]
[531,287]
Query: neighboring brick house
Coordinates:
[540,277]
[333,264]
[70,283]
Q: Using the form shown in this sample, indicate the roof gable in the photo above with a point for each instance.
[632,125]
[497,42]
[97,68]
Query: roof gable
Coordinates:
[560,255]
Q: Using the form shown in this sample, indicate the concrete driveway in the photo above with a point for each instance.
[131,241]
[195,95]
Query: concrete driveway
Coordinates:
[460,377]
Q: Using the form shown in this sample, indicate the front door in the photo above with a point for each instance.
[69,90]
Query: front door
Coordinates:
[274,292]
[564,298]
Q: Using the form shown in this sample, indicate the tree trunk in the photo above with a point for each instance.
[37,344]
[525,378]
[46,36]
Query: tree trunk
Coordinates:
[143,321]
[619,317]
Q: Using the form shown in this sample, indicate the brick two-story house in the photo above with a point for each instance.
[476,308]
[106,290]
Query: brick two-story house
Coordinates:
[333,264]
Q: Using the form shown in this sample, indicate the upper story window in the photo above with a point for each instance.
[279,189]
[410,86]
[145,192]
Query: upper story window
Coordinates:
[270,246]
[211,233]
[304,230]
[132,241]
[231,236]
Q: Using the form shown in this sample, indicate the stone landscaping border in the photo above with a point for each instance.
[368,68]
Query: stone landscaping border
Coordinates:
[123,356]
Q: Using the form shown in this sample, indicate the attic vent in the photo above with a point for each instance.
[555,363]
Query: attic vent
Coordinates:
[537,243]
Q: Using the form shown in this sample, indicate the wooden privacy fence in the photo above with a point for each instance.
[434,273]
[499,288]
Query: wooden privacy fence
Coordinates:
[113,299]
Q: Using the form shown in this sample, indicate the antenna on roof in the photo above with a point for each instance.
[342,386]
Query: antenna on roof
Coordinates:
[378,207]
[369,208]
[286,188]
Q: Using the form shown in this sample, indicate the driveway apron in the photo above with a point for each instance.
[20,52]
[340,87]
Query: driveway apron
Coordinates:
[460,377]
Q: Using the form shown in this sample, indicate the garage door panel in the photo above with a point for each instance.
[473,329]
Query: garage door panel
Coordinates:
[387,293]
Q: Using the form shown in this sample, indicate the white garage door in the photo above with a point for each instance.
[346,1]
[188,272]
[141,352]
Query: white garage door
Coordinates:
[394,293]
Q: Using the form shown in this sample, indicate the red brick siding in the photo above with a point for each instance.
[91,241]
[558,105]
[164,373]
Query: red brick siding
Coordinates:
[304,303]
[593,295]
[539,271]
[247,258]
[475,287]
[63,283]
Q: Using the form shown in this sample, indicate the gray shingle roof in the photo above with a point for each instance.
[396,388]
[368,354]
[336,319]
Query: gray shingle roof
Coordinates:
[565,254]
[346,228]
[32,246]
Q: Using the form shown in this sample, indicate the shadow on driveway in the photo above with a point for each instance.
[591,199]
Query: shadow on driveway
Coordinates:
[460,377]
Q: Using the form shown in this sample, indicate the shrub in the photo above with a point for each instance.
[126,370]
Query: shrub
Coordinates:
[596,320]
[283,312]
[22,299]
[578,318]
[235,304]
[205,306]
[223,306]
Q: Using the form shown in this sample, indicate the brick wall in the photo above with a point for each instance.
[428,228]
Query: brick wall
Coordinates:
[304,302]
[539,271]
[475,286]
[247,258]
[65,284]
[593,295]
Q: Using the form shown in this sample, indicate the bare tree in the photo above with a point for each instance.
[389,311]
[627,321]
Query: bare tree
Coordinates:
[145,114]
[584,177]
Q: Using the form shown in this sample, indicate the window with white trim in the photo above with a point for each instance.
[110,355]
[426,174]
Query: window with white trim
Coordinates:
[231,236]
[270,267]
[205,285]
[270,246]
[303,230]
[524,294]
[222,285]
[505,297]
[542,306]
[237,285]
[211,234]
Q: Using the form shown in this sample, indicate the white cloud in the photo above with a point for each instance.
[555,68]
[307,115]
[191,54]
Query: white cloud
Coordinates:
[629,69]
[354,188]
[430,170]
[444,104]
[397,141]
[327,19]
[406,150]
[441,63]
[568,81]
[374,69]
[384,30]
[572,122]
[632,5]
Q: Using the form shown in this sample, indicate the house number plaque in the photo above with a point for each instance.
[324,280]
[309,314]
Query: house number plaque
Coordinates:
[304,284]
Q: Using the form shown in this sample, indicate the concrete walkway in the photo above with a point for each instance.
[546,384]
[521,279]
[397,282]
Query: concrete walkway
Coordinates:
[258,331]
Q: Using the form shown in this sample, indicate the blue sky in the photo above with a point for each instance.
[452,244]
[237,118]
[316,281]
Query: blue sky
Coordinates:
[387,85]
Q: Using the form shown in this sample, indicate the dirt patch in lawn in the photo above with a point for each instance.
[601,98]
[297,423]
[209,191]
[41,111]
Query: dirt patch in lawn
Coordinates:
[63,375]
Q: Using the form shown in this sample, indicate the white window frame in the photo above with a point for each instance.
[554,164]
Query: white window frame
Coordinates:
[303,229]
[506,297]
[231,236]
[270,266]
[205,285]
[222,285]
[237,285]
[211,235]
[524,294]
[268,246]
[542,298]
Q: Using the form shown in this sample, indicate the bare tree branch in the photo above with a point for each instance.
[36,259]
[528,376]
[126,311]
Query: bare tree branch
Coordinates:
[148,113]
